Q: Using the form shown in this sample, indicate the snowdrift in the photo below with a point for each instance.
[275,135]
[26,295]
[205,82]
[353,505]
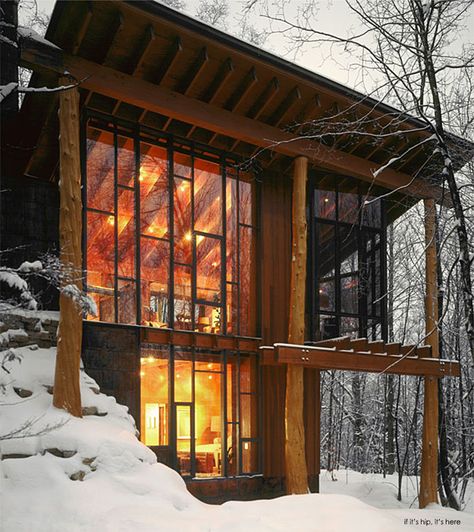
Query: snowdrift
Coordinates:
[61,473]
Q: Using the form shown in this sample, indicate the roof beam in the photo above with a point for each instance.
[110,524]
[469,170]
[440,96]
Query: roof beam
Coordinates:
[168,62]
[164,101]
[145,46]
[192,75]
[83,27]
[160,100]
[289,101]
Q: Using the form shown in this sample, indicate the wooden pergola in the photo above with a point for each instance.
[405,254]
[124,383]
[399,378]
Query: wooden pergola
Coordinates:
[362,355]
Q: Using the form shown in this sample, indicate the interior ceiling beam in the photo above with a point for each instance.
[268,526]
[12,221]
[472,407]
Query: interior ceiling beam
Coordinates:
[160,100]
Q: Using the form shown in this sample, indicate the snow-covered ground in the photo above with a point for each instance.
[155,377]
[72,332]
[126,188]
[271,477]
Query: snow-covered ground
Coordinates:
[124,489]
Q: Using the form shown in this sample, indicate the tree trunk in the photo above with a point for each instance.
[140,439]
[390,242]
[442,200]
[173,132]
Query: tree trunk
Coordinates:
[429,455]
[295,456]
[67,393]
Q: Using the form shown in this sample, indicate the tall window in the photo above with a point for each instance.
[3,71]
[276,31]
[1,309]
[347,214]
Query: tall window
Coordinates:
[347,274]
[170,233]
[212,423]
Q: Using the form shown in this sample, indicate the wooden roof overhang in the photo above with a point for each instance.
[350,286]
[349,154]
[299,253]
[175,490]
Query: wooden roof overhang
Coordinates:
[147,63]
[361,355]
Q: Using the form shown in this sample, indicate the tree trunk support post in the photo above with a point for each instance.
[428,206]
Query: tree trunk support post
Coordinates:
[67,395]
[295,455]
[429,454]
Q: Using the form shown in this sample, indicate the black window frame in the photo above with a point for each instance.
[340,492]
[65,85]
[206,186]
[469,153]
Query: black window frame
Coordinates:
[175,144]
[371,325]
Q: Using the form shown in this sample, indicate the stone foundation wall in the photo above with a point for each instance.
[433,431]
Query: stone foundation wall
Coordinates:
[22,327]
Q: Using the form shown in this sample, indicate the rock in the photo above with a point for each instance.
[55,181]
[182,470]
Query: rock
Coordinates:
[33,347]
[14,455]
[90,411]
[95,390]
[78,475]
[59,453]
[21,392]
[49,389]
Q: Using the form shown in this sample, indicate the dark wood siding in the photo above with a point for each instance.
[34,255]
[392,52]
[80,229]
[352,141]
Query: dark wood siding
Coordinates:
[276,265]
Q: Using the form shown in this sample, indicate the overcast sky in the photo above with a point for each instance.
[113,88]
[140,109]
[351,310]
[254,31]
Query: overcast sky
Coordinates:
[333,17]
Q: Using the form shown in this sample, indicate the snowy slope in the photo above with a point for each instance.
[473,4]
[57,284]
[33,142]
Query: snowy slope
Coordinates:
[122,486]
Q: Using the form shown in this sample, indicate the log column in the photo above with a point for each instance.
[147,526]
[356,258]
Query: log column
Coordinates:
[429,454]
[67,393]
[295,456]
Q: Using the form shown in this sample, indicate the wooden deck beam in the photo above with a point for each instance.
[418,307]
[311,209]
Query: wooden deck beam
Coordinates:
[325,358]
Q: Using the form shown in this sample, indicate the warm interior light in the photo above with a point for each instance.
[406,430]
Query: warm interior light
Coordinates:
[150,359]
[246,446]
[326,200]
[142,373]
[111,220]
[214,264]
[188,236]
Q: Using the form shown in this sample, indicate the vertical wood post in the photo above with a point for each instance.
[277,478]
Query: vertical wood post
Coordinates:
[429,453]
[67,393]
[295,456]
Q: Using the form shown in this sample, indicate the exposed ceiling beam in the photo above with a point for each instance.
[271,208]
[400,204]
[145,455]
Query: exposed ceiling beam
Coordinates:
[160,100]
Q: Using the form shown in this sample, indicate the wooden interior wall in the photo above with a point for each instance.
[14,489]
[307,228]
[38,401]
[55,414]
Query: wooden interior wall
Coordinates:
[276,263]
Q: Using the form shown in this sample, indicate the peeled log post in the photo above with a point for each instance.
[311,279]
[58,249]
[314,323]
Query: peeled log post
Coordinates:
[295,456]
[429,452]
[67,394]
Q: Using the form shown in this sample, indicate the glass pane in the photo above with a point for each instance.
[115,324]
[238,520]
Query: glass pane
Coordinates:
[208,319]
[208,424]
[248,415]
[349,294]
[100,266]
[247,282]
[349,327]
[100,170]
[348,202]
[232,388]
[208,362]
[325,244]
[105,303]
[154,396]
[326,327]
[155,267]
[232,308]
[182,376]
[207,197]
[154,197]
[126,233]
[249,457]
[182,165]
[183,438]
[127,302]
[232,451]
[371,212]
[208,269]
[231,230]
[245,198]
[183,306]
[325,198]
[125,162]
[182,221]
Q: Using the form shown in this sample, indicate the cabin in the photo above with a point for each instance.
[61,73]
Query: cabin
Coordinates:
[231,243]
